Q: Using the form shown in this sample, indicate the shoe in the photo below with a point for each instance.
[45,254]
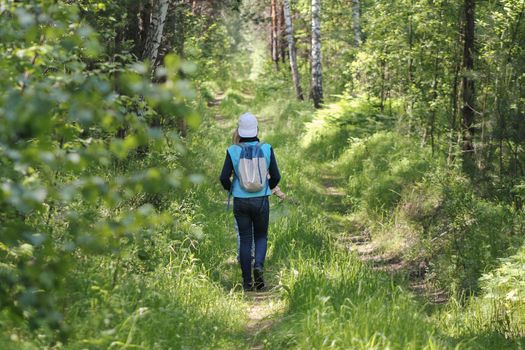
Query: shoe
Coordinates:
[258,277]
[247,287]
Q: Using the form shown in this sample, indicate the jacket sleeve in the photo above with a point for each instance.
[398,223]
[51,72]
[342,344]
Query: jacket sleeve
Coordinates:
[226,173]
[275,176]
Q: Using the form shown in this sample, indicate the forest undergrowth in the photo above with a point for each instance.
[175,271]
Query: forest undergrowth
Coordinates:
[332,299]
[115,232]
[180,288]
[328,297]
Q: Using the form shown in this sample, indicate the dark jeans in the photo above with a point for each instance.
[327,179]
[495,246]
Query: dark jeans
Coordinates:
[252,216]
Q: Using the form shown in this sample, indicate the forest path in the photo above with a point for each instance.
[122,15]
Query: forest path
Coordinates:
[357,239]
[221,120]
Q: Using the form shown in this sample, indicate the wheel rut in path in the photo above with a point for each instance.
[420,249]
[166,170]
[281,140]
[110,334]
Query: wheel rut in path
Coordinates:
[359,240]
[221,120]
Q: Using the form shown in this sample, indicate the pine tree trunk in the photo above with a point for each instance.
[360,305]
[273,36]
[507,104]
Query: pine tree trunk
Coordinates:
[356,22]
[155,30]
[275,37]
[469,93]
[292,52]
[317,77]
[140,33]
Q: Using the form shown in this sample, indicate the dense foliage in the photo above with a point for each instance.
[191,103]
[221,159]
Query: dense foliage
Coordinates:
[87,145]
[114,117]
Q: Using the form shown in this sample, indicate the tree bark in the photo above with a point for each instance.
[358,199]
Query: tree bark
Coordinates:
[292,52]
[469,92]
[317,76]
[282,33]
[156,28]
[433,102]
[455,124]
[194,7]
[356,22]
[140,33]
[275,36]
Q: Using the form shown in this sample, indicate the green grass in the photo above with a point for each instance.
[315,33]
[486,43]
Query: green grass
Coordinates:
[178,286]
[329,295]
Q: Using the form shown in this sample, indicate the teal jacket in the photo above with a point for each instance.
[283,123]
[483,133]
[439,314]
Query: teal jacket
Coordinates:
[231,163]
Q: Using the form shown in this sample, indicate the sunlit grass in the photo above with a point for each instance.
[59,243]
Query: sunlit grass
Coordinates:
[181,288]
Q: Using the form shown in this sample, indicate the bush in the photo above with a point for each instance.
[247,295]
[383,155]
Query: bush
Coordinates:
[504,288]
[499,310]
[458,234]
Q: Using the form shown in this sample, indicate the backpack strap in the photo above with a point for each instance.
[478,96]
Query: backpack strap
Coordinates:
[257,149]
[258,146]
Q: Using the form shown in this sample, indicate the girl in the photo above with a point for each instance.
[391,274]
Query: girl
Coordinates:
[251,209]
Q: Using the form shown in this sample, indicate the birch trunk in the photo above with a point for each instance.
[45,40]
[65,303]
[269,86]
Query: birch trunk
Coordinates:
[317,76]
[291,50]
[275,40]
[156,28]
[356,22]
[469,96]
[282,34]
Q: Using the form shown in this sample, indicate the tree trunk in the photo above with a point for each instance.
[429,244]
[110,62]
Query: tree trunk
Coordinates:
[177,24]
[317,77]
[455,124]
[140,33]
[469,93]
[282,34]
[194,7]
[356,22]
[382,63]
[433,102]
[275,37]
[292,52]
[410,76]
[156,28]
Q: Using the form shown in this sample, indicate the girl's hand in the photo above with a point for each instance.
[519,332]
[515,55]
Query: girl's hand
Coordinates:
[277,191]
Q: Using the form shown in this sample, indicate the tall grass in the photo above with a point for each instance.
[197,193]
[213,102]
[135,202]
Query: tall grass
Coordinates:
[334,127]
[416,208]
[177,286]
[331,298]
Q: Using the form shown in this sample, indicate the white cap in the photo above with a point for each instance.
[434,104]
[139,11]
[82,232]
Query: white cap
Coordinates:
[247,125]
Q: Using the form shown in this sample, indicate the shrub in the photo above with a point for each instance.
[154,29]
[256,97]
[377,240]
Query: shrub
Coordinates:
[459,233]
[504,288]
[425,211]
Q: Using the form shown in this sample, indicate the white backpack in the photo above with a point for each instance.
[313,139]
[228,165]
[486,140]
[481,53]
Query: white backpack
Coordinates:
[252,170]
